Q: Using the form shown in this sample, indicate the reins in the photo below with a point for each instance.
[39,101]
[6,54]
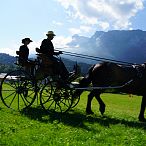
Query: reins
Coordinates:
[90,57]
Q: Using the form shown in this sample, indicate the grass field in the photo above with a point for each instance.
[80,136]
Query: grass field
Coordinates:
[118,127]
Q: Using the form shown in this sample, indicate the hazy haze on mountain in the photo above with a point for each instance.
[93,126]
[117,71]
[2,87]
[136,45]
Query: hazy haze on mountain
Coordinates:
[124,45]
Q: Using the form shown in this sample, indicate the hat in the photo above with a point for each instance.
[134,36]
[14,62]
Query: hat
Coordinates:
[26,39]
[50,33]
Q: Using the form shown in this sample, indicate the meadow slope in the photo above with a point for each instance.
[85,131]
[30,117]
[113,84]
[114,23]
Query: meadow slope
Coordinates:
[119,126]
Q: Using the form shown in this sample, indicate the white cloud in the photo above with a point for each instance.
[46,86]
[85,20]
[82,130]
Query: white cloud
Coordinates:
[57,23]
[104,25]
[61,41]
[75,31]
[105,14]
[80,30]
[85,28]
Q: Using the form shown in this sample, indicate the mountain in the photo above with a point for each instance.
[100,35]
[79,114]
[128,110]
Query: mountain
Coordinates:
[6,59]
[122,45]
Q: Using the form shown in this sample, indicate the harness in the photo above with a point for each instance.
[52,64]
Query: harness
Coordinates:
[139,69]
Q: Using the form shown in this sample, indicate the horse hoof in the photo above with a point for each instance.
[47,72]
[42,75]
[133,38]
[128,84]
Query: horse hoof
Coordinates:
[142,119]
[89,112]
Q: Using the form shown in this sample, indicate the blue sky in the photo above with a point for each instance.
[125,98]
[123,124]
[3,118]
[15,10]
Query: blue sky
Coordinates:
[33,18]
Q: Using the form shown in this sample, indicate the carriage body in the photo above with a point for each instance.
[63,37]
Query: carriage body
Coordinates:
[36,84]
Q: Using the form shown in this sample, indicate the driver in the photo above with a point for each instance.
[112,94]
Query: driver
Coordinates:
[47,49]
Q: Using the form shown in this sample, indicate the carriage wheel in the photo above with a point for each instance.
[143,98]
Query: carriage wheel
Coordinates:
[75,98]
[18,90]
[55,99]
[40,84]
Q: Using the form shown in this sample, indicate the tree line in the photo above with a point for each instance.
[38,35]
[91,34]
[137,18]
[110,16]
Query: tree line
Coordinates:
[5,68]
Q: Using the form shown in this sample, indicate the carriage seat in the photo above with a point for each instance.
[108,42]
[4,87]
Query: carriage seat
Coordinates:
[20,61]
[44,60]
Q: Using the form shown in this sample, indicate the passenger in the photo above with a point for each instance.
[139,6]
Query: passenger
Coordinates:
[23,54]
[47,48]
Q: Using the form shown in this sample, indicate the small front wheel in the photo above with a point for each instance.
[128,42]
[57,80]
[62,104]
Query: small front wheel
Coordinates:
[55,98]
[75,98]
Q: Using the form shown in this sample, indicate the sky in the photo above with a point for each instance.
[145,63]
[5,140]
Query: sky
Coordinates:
[33,18]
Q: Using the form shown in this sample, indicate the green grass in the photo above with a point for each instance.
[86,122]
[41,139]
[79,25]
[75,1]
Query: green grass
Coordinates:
[118,127]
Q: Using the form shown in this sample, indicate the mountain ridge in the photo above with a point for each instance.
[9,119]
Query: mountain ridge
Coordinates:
[124,45]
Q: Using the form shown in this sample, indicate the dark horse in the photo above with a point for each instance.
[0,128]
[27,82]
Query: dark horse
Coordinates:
[108,74]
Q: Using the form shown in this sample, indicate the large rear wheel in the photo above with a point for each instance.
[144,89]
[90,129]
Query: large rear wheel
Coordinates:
[18,90]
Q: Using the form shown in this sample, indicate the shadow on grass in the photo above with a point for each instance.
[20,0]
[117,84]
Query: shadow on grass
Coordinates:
[77,119]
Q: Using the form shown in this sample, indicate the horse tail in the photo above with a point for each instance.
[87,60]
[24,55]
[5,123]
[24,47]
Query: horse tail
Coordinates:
[88,78]
[89,75]
[85,81]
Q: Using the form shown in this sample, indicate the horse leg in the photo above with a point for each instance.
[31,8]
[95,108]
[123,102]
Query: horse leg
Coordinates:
[142,110]
[101,103]
[88,107]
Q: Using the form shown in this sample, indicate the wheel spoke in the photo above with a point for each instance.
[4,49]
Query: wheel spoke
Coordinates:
[7,90]
[23,98]
[12,100]
[64,103]
[59,107]
[9,95]
[18,103]
[45,101]
[14,86]
[51,104]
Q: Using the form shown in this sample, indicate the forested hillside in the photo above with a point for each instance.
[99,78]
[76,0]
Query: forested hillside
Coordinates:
[6,59]
[7,64]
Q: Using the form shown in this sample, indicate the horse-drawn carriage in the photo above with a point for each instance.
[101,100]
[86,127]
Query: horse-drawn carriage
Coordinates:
[22,88]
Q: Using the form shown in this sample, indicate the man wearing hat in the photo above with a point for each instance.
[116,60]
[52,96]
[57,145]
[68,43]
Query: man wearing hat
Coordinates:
[47,48]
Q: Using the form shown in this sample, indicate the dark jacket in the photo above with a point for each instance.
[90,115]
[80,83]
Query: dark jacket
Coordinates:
[47,47]
[23,53]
